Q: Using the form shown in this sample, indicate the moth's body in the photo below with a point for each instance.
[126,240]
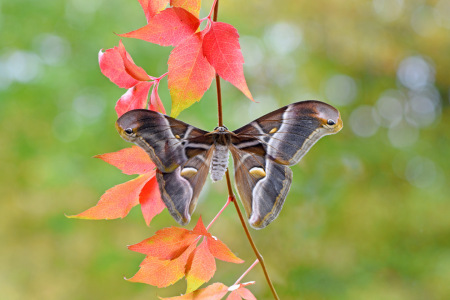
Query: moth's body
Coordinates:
[262,152]
[219,160]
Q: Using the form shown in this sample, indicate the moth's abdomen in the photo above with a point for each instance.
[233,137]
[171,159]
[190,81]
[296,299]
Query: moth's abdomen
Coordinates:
[219,162]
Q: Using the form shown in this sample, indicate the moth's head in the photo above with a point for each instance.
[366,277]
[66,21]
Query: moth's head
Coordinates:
[328,116]
[129,123]
[220,129]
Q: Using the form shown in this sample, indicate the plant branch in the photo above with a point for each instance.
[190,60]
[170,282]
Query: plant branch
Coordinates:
[252,244]
[231,196]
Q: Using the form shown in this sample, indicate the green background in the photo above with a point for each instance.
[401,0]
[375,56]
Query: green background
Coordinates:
[367,216]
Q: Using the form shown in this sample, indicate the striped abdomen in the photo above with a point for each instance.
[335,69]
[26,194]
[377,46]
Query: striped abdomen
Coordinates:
[219,162]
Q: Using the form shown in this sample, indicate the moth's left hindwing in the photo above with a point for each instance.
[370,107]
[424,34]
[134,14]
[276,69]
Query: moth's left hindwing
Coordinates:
[181,153]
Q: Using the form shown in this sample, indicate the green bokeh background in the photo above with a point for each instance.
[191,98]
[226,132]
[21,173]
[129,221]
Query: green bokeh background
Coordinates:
[367,216]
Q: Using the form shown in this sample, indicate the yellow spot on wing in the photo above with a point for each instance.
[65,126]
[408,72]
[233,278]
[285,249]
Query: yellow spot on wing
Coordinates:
[273,130]
[177,136]
[188,172]
[257,172]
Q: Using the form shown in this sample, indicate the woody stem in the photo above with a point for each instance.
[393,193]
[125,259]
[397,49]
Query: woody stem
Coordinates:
[230,190]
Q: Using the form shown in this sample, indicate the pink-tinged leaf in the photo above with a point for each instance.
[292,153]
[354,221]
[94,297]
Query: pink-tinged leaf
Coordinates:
[130,67]
[214,291]
[168,28]
[200,228]
[152,7]
[150,200]
[112,66]
[190,73]
[130,161]
[155,101]
[241,293]
[221,48]
[220,251]
[192,6]
[135,98]
[167,243]
[200,268]
[162,273]
[234,296]
[117,201]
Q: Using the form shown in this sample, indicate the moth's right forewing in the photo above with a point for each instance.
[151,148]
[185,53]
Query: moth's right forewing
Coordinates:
[165,139]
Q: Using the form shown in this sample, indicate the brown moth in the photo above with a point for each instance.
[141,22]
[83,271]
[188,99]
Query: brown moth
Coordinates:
[262,152]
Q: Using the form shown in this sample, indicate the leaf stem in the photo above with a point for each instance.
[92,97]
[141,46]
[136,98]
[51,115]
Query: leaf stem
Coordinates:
[246,272]
[162,76]
[218,214]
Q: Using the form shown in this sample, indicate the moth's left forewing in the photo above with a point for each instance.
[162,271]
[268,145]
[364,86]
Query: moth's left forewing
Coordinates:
[289,132]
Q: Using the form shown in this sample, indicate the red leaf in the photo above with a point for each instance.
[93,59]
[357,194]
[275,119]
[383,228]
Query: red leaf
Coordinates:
[221,251]
[168,28]
[155,101]
[190,73]
[130,161]
[152,7]
[221,48]
[214,291]
[130,67]
[117,201]
[192,6]
[112,66]
[135,98]
[167,243]
[241,293]
[150,199]
[162,273]
[200,268]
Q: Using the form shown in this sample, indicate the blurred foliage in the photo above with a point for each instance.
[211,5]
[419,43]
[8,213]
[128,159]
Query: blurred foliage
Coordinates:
[367,215]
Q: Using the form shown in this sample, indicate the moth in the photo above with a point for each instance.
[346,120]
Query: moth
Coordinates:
[262,152]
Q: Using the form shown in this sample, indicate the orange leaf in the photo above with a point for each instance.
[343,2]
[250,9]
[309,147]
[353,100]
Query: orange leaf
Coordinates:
[130,161]
[214,291]
[117,201]
[168,28]
[220,251]
[221,48]
[162,273]
[190,73]
[192,6]
[200,228]
[167,243]
[152,7]
[200,268]
[150,199]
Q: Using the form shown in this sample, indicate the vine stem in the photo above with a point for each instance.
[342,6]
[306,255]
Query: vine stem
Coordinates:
[231,196]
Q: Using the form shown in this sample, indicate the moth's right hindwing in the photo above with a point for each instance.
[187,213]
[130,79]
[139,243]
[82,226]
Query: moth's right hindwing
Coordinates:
[180,189]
